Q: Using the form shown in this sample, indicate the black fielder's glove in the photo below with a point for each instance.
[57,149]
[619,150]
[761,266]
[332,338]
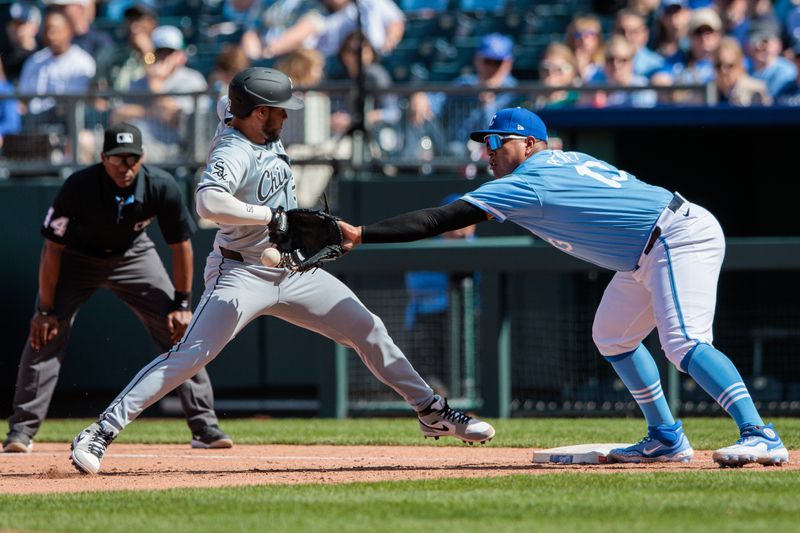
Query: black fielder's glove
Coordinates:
[278,227]
[306,238]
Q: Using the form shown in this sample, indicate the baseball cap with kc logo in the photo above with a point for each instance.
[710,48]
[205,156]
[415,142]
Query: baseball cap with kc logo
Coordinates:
[122,138]
[514,121]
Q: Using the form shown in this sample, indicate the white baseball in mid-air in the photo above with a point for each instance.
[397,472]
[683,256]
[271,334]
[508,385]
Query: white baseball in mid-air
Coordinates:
[270,257]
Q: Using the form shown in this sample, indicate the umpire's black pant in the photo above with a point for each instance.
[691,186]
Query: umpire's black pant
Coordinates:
[139,279]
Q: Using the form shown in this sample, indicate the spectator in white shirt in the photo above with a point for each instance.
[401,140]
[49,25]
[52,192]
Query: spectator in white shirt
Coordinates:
[382,23]
[60,68]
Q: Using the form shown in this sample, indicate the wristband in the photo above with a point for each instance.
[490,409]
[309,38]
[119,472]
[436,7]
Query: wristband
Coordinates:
[44,313]
[183,301]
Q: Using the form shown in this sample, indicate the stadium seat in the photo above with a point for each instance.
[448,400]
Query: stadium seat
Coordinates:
[465,49]
[526,61]
[486,24]
[487,6]
[399,62]
[416,6]
[514,23]
[442,26]
[173,8]
[418,28]
[440,71]
[443,51]
[447,25]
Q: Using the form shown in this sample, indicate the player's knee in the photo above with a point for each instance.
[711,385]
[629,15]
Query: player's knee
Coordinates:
[676,350]
[365,330]
[378,332]
[194,356]
[611,348]
[608,343]
[598,332]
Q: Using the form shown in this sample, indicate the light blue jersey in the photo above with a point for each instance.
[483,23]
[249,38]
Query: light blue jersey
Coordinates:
[581,205]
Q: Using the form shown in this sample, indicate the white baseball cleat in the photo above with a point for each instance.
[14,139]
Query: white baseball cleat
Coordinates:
[439,420]
[90,445]
[757,444]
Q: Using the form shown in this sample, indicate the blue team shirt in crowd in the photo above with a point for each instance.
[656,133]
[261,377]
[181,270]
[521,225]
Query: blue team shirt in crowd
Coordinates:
[581,205]
[778,75]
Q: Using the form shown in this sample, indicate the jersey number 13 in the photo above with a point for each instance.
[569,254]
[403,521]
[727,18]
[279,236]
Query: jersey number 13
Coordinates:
[610,178]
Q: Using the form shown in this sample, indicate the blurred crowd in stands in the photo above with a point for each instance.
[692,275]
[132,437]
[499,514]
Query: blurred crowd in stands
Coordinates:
[580,53]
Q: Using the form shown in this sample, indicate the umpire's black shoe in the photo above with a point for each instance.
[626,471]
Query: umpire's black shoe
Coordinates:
[211,437]
[18,442]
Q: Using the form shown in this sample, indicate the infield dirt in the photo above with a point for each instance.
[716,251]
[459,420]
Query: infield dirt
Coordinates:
[146,467]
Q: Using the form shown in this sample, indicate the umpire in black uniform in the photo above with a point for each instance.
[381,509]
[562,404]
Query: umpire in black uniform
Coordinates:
[95,238]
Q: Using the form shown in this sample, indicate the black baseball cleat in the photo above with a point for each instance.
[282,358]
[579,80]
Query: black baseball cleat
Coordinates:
[211,437]
[440,420]
[89,447]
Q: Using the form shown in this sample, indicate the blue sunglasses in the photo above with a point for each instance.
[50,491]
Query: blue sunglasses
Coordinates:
[495,141]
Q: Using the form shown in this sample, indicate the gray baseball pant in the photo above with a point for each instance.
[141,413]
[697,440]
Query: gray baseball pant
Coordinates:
[235,294]
[139,279]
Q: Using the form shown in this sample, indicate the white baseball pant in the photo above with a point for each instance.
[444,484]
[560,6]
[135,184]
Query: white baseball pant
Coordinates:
[674,288]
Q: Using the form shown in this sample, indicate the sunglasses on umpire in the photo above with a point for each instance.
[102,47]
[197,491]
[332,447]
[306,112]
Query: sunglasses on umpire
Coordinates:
[495,141]
[129,160]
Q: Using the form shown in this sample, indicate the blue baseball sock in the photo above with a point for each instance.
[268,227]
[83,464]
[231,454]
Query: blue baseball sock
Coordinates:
[639,373]
[713,371]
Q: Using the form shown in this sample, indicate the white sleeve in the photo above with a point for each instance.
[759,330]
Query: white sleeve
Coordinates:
[391,12]
[221,207]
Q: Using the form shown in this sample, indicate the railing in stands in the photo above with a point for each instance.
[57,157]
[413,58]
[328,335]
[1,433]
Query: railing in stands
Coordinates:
[65,132]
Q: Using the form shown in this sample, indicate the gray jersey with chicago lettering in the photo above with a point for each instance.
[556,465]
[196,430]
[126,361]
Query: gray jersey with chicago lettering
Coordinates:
[254,174]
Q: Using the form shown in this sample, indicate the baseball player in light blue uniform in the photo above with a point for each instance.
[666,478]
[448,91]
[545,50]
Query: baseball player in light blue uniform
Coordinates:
[666,251]
[248,175]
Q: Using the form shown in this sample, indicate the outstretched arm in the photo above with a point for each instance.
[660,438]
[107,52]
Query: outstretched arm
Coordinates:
[414,225]
[292,38]
[221,207]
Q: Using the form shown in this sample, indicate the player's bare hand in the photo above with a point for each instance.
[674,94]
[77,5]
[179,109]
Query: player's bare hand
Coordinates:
[44,329]
[177,322]
[351,234]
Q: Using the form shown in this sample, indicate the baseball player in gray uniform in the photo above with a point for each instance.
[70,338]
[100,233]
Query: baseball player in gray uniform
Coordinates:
[247,176]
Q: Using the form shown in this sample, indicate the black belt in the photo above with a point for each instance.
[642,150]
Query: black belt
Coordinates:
[230,254]
[674,204]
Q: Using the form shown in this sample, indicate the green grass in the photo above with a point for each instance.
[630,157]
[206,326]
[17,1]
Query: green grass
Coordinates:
[759,499]
[704,433]
[747,501]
